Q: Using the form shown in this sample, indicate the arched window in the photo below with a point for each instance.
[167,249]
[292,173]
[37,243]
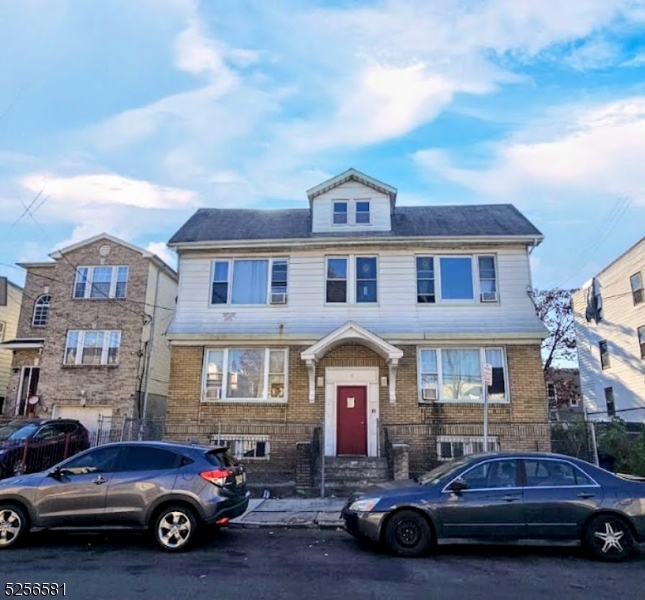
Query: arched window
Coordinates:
[41,311]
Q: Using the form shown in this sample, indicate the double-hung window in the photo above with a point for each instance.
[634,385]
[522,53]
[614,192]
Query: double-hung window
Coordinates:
[87,347]
[456,374]
[336,284]
[249,281]
[340,213]
[40,318]
[101,282]
[641,340]
[362,212]
[604,354]
[636,282]
[245,374]
[366,279]
[453,279]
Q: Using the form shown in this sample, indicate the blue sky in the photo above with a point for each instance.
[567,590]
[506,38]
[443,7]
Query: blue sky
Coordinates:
[127,115]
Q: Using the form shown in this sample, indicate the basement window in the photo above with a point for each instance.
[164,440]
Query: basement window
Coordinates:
[244,446]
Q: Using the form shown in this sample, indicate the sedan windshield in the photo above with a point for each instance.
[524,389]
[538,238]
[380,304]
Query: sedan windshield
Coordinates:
[17,430]
[444,470]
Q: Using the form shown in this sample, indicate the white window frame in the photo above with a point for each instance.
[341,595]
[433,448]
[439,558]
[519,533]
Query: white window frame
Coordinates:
[355,258]
[89,282]
[467,441]
[479,279]
[229,289]
[635,291]
[347,204]
[474,266]
[348,279]
[265,399]
[482,359]
[574,402]
[368,201]
[237,444]
[43,307]
[81,344]
[3,328]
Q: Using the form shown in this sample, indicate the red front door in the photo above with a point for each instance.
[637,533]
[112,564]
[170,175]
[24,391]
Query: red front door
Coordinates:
[352,420]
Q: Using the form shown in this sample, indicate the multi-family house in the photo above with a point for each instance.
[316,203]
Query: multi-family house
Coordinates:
[563,393]
[10,301]
[90,343]
[358,315]
[610,335]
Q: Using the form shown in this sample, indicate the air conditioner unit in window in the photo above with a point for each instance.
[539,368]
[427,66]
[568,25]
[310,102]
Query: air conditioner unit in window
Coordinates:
[489,296]
[429,393]
[278,298]
[214,393]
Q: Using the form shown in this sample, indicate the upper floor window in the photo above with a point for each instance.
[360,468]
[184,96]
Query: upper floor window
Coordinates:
[609,400]
[2,330]
[362,212]
[249,281]
[245,374]
[101,282]
[551,394]
[40,317]
[641,340]
[452,278]
[456,374]
[604,354]
[340,213]
[88,347]
[366,279]
[636,282]
[336,288]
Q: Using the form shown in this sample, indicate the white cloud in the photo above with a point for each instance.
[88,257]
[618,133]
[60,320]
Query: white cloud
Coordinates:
[163,252]
[599,151]
[594,54]
[106,189]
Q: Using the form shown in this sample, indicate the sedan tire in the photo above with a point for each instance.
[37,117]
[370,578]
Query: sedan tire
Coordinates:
[175,528]
[407,533]
[609,537]
[13,525]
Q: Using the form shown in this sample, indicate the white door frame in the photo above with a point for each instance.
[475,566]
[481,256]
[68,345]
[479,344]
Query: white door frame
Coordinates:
[351,376]
[20,387]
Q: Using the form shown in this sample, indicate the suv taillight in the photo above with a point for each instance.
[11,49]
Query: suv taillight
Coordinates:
[217,476]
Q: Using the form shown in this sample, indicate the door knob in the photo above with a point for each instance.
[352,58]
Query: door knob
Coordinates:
[99,480]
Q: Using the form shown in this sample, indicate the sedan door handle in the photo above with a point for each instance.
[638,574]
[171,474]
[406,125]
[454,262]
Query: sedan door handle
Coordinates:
[510,498]
[99,480]
[586,495]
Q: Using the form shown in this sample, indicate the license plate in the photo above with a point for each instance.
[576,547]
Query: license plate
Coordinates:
[239,479]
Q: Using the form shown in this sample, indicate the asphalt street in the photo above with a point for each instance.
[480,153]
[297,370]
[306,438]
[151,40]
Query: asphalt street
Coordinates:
[301,564]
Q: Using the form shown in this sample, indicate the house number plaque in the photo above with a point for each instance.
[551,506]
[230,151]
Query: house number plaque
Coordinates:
[350,402]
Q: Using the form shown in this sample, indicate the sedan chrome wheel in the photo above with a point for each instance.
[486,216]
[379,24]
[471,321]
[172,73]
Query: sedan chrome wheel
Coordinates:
[609,537]
[175,529]
[11,526]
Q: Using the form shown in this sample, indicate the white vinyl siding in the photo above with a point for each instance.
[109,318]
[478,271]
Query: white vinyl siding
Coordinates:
[249,281]
[456,374]
[245,374]
[89,347]
[101,282]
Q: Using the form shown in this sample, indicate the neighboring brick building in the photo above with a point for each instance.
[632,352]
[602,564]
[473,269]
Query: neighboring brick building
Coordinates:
[366,320]
[90,342]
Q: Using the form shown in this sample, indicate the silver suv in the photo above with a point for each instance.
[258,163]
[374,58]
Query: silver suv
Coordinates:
[173,490]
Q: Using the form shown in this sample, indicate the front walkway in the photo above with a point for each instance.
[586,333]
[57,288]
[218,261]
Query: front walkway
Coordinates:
[296,512]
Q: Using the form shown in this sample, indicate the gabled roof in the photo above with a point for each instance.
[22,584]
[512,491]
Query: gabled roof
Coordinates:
[352,175]
[441,222]
[58,254]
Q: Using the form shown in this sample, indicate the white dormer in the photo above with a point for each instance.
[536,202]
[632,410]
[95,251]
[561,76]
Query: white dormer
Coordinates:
[351,202]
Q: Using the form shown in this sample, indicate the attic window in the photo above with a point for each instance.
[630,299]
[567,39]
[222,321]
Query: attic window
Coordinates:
[340,213]
[362,213]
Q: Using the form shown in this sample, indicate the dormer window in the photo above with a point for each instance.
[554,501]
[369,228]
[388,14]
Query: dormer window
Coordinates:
[340,213]
[362,212]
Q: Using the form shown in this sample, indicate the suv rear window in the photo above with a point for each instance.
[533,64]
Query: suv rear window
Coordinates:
[221,458]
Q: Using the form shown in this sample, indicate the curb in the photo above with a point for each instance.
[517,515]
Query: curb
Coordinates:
[283,525]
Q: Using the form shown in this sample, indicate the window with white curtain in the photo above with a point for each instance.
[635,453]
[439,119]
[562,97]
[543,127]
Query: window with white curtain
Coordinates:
[249,281]
[456,374]
[87,347]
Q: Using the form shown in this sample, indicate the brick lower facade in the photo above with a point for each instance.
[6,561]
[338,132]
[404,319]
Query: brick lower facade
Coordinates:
[519,424]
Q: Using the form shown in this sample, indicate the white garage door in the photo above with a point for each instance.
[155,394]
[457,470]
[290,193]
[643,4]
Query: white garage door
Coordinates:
[94,418]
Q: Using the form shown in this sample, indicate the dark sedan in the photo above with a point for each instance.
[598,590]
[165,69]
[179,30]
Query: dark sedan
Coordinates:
[171,490]
[31,445]
[504,497]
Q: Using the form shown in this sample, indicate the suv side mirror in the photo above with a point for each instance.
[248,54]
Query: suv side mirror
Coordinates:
[458,485]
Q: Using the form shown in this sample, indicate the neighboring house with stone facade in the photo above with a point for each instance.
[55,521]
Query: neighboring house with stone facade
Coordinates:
[10,301]
[363,321]
[90,342]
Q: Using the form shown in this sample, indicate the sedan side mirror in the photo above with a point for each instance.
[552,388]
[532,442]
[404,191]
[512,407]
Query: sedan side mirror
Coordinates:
[458,485]
[56,473]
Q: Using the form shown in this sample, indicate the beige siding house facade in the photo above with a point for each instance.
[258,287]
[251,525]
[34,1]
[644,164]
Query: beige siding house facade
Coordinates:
[361,317]
[10,302]
[90,341]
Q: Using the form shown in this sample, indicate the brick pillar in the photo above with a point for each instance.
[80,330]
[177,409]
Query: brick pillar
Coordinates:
[304,465]
[400,462]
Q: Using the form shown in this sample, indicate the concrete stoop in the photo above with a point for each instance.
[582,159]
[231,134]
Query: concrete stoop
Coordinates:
[346,474]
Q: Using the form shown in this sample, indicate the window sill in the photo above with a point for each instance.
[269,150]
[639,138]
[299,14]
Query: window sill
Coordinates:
[90,366]
[233,307]
[462,402]
[101,298]
[254,401]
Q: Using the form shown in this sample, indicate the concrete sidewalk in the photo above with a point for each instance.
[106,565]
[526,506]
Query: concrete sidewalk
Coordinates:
[296,512]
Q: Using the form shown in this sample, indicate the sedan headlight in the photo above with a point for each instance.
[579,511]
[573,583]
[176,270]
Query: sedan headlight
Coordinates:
[364,505]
